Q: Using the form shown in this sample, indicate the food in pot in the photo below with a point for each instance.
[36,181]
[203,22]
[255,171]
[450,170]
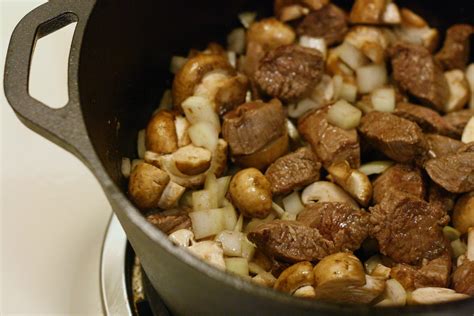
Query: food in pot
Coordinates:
[326,154]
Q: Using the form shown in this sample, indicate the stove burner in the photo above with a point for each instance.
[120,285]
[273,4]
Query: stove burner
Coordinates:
[124,286]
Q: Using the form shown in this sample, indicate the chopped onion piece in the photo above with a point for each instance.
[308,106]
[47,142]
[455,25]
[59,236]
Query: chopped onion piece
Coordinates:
[211,186]
[375,167]
[182,237]
[238,266]
[470,80]
[207,223]
[317,43]
[459,248]
[231,242]
[247,18]
[201,200]
[204,134]
[136,162]
[351,56]
[126,167]
[348,92]
[141,148]
[383,99]
[371,77]
[337,83]
[230,216]
[236,40]
[240,223]
[292,131]
[278,209]
[468,133]
[231,56]
[451,233]
[344,115]
[222,187]
[292,203]
[248,248]
[394,294]
[187,199]
[254,268]
[177,62]
[199,109]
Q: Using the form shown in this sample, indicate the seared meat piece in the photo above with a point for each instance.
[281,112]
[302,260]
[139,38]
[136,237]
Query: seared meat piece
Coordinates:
[429,121]
[440,146]
[290,241]
[456,47]
[463,278]
[346,227]
[168,224]
[441,199]
[407,228]
[399,139]
[251,126]
[330,143]
[434,273]
[289,72]
[454,173]
[401,177]
[458,120]
[293,171]
[329,22]
[416,71]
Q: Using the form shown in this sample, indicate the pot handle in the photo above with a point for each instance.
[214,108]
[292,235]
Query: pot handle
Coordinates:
[64,126]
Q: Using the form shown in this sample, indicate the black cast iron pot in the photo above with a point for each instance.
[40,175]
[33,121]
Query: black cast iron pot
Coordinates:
[118,69]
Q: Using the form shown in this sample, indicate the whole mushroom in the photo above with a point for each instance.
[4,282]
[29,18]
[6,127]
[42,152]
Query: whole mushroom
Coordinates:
[251,193]
[161,135]
[146,185]
[296,276]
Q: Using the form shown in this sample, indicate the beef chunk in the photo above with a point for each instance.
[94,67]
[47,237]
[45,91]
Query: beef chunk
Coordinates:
[440,146]
[454,173]
[401,177]
[434,273]
[463,278]
[346,227]
[290,241]
[330,143]
[458,120]
[399,139]
[407,228]
[416,71]
[293,171]
[429,121]
[329,22]
[289,72]
[251,126]
[455,51]
[441,199]
[169,223]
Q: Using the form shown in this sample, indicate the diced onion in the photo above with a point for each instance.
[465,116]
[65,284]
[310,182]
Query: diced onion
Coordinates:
[348,92]
[344,115]
[468,133]
[351,56]
[371,77]
[292,131]
[199,109]
[288,217]
[317,43]
[375,167]
[211,186]
[126,167]
[248,249]
[222,187]
[230,217]
[201,200]
[337,83]
[254,268]
[210,252]
[292,203]
[231,242]
[247,18]
[236,40]
[237,265]
[141,148]
[177,62]
[207,223]
[187,199]
[204,134]
[240,223]
[451,233]
[459,248]
[383,99]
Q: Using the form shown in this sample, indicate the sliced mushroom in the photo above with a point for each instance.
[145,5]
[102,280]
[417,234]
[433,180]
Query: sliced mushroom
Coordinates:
[463,215]
[394,294]
[305,292]
[181,125]
[295,277]
[459,88]
[171,195]
[192,160]
[368,11]
[370,40]
[161,135]
[182,237]
[353,181]
[251,193]
[433,295]
[340,278]
[324,191]
[210,252]
[146,185]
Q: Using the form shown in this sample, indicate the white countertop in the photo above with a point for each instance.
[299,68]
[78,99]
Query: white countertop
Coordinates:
[53,211]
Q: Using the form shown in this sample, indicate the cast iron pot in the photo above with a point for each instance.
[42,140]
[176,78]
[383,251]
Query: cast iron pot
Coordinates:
[118,69]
